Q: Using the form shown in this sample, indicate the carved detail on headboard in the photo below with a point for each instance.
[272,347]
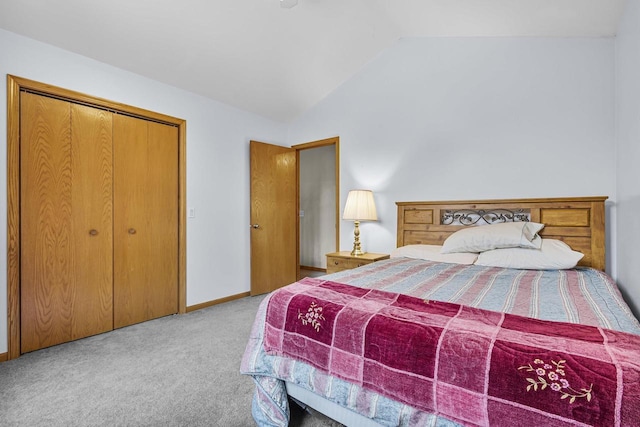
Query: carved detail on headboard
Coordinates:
[479,216]
[577,221]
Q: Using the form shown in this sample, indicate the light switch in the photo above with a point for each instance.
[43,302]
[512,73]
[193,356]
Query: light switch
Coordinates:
[192,212]
[301,213]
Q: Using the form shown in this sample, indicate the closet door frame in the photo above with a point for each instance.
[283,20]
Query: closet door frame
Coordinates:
[14,86]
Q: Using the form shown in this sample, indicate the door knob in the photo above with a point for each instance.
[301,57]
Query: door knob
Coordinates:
[93,232]
[132,231]
[255,226]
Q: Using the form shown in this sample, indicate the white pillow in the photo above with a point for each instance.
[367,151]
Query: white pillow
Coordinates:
[432,253]
[552,255]
[495,236]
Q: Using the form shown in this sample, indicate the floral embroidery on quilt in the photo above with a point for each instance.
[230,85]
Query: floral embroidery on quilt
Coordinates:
[550,375]
[312,317]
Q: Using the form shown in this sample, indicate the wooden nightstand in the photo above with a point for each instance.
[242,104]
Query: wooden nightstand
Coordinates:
[343,260]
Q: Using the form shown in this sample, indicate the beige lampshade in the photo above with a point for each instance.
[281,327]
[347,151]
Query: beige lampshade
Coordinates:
[360,206]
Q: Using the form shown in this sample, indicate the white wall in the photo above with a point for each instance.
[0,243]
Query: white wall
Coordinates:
[461,118]
[628,153]
[217,161]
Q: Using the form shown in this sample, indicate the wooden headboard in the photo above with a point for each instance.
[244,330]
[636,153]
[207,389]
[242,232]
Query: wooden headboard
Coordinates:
[578,221]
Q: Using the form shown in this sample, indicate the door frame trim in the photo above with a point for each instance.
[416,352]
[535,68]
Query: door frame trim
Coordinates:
[14,86]
[335,141]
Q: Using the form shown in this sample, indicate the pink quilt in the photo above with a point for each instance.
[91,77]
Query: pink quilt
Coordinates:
[473,366]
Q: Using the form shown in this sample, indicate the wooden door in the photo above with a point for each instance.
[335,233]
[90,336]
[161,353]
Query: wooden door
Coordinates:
[145,220]
[65,194]
[274,247]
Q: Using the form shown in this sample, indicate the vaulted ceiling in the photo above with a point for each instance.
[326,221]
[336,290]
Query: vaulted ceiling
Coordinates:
[278,62]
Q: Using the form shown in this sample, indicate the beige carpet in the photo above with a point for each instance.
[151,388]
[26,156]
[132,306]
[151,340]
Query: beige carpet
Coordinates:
[175,371]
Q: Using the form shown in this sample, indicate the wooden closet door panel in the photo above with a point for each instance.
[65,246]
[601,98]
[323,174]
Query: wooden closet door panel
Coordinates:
[66,191]
[45,203]
[92,194]
[163,221]
[145,220]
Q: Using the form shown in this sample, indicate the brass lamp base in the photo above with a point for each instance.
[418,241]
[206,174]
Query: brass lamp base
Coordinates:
[356,240]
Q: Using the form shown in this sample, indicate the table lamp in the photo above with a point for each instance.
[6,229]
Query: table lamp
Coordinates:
[359,207]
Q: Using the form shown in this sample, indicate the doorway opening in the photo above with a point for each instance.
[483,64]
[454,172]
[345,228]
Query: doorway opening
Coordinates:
[318,204]
[275,222]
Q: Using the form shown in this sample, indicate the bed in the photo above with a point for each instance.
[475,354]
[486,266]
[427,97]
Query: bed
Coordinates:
[421,340]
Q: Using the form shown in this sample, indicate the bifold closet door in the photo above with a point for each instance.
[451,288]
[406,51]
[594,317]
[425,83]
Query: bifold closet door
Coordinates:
[66,285]
[145,220]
